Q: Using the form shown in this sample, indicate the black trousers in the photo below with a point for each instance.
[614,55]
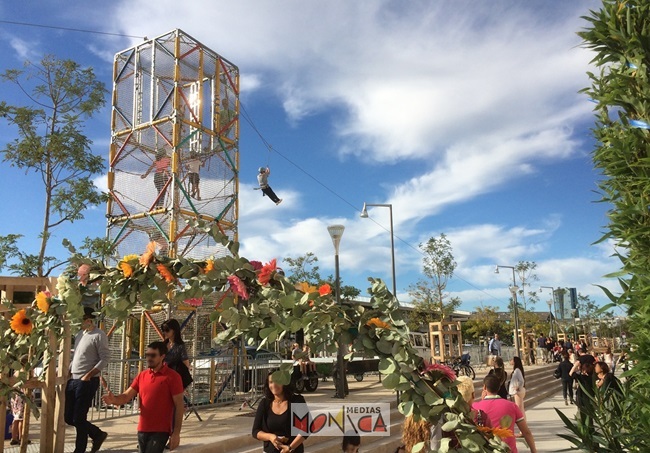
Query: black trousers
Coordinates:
[78,399]
[567,387]
[269,193]
[152,442]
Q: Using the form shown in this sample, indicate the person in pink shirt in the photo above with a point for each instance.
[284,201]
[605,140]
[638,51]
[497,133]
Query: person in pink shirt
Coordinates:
[503,413]
[161,176]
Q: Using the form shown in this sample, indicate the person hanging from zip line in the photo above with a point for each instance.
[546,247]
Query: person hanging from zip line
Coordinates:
[263,181]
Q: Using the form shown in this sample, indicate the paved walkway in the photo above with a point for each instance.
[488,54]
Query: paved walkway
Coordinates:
[227,429]
[546,424]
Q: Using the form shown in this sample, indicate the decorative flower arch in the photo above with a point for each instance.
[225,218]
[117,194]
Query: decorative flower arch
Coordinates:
[259,303]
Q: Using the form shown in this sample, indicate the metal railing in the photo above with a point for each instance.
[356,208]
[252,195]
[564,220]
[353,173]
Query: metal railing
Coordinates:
[218,380]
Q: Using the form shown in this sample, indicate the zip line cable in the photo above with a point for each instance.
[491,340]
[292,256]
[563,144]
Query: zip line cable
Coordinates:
[270,148]
[80,30]
[249,120]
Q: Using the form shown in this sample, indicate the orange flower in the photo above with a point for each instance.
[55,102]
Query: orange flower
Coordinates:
[305,287]
[43,301]
[147,256]
[503,433]
[378,323]
[209,266]
[267,272]
[21,324]
[165,273]
[324,290]
[127,270]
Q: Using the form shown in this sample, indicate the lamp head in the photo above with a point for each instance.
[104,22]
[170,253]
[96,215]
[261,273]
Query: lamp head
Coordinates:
[496,269]
[364,212]
[336,232]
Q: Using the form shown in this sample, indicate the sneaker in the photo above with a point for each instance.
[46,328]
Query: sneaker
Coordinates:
[279,201]
[15,442]
[97,443]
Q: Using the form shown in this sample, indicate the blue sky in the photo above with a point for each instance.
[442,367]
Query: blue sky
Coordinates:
[465,116]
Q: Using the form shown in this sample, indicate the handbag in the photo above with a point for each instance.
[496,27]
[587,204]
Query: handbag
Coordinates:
[557,374]
[186,377]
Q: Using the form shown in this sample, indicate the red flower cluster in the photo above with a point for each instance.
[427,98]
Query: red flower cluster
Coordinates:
[267,271]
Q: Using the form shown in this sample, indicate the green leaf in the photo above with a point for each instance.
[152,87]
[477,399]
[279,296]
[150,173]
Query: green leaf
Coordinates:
[391,381]
[387,366]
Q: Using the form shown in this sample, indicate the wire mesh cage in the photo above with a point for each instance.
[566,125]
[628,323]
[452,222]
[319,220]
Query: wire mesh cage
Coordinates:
[174,158]
[174,153]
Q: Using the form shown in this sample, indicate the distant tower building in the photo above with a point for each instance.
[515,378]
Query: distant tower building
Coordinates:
[174,152]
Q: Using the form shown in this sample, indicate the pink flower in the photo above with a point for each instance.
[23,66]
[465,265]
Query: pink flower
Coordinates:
[257,265]
[83,273]
[442,369]
[238,286]
[194,301]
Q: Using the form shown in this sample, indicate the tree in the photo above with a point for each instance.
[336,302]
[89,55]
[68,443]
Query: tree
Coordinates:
[52,144]
[303,269]
[429,296]
[525,270]
[426,305]
[617,34]
[8,248]
[484,322]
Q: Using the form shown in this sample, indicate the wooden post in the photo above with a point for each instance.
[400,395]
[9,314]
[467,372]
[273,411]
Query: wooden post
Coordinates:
[48,396]
[3,421]
[24,436]
[64,365]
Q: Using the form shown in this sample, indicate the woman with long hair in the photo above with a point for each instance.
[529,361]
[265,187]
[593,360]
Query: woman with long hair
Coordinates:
[517,387]
[499,371]
[272,423]
[176,356]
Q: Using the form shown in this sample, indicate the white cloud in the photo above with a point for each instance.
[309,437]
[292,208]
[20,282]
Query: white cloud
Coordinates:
[25,50]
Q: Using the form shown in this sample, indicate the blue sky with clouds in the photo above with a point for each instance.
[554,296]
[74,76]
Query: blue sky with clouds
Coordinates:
[465,116]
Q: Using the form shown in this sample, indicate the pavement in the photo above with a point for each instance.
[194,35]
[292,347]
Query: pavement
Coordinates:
[227,428]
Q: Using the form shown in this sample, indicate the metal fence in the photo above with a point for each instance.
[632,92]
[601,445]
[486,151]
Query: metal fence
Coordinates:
[218,380]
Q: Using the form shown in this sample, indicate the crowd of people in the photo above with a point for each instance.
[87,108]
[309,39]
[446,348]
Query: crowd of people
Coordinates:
[161,386]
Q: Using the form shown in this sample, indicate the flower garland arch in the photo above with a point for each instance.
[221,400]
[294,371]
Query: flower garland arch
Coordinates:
[257,302]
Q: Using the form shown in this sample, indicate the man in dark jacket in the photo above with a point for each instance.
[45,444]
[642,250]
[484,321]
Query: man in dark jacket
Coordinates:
[563,369]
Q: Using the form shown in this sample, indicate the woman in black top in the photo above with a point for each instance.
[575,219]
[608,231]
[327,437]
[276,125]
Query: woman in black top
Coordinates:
[176,356]
[272,422]
[500,372]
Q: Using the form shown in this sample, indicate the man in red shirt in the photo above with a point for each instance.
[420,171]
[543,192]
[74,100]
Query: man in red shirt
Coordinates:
[161,401]
[503,414]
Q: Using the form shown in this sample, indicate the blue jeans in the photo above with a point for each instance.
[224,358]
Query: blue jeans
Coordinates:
[78,399]
[152,442]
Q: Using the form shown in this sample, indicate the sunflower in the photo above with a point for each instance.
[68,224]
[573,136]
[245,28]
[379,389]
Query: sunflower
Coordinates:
[165,273]
[209,266]
[378,323]
[305,287]
[43,301]
[131,257]
[127,270]
[21,324]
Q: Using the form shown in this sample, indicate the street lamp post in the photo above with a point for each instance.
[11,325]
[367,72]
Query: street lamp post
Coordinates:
[364,215]
[552,313]
[514,290]
[336,232]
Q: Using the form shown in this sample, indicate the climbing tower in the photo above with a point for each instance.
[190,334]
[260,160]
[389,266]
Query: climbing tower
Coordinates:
[174,153]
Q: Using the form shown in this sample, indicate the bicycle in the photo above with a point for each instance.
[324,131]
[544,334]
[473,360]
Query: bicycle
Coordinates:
[461,366]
